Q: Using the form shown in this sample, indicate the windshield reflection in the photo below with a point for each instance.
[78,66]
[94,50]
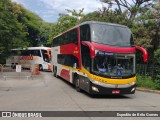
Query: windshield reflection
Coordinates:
[113,64]
[111,35]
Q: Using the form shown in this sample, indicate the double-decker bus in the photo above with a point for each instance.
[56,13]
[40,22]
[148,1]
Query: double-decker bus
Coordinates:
[97,57]
[29,56]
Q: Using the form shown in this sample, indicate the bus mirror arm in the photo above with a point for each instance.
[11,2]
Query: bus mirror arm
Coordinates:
[91,47]
[144,51]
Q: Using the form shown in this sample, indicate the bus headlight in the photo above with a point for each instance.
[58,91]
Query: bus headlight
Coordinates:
[95,89]
[133,89]
[132,83]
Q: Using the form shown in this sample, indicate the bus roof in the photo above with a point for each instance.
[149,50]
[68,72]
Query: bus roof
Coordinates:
[89,23]
[33,48]
[96,22]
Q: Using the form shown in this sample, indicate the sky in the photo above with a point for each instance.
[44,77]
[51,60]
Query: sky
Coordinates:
[49,10]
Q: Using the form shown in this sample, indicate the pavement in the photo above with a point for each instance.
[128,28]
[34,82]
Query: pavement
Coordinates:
[148,90]
[28,75]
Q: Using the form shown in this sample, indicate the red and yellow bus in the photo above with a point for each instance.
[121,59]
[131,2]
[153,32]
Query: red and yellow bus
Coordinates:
[97,57]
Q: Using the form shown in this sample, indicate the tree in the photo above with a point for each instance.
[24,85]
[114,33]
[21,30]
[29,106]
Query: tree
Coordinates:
[65,22]
[46,30]
[20,28]
[12,33]
[133,7]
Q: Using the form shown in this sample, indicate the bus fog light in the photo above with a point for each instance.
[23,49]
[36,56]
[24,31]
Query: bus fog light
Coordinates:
[133,89]
[95,89]
[132,83]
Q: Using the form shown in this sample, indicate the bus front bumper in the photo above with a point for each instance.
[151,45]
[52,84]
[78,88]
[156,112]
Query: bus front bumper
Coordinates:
[110,89]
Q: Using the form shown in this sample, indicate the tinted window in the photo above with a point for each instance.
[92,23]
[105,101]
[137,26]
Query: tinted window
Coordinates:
[36,53]
[67,60]
[55,42]
[66,38]
[74,36]
[24,53]
[111,35]
[30,53]
[85,32]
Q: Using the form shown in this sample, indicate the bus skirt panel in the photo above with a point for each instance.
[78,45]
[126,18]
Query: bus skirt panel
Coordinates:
[97,89]
[91,88]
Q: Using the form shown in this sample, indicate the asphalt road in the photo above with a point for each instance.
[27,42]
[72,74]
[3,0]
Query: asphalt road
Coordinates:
[47,93]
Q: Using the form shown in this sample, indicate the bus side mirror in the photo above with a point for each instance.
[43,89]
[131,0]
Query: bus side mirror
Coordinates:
[92,49]
[144,51]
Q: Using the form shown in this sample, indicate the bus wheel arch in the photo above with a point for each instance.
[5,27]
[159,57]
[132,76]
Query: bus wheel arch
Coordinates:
[55,71]
[40,67]
[76,82]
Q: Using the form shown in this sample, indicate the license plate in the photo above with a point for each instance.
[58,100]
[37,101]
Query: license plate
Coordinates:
[115,91]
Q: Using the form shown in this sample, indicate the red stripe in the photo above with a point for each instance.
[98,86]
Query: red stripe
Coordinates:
[144,51]
[65,74]
[70,49]
[94,46]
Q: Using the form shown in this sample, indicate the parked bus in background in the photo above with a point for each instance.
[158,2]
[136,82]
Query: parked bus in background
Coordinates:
[97,57]
[29,56]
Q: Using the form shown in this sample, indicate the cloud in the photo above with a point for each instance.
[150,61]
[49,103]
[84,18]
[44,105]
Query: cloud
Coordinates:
[49,10]
[61,5]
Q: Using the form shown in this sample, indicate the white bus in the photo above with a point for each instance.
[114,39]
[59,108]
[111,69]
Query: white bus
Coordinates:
[29,56]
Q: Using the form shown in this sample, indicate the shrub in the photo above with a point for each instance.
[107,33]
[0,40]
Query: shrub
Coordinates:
[145,82]
[157,82]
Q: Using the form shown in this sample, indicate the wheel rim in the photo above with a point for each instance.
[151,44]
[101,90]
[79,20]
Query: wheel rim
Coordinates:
[77,83]
[40,68]
[55,72]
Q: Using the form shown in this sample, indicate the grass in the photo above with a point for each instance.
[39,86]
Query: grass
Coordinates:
[148,82]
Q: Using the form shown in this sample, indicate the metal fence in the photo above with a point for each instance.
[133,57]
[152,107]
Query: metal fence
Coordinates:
[10,71]
[148,70]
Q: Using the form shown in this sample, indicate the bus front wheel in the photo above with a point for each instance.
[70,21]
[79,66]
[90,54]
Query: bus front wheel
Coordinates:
[55,72]
[77,84]
[40,67]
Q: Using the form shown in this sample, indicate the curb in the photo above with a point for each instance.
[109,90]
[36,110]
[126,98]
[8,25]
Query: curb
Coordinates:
[148,90]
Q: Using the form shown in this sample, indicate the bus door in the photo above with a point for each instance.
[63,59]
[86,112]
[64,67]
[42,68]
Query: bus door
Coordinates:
[46,59]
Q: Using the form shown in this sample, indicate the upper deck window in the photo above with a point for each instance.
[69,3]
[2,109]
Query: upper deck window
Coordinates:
[111,35]
[66,38]
[85,33]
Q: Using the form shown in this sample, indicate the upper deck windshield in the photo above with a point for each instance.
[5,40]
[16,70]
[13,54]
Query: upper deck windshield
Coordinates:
[111,35]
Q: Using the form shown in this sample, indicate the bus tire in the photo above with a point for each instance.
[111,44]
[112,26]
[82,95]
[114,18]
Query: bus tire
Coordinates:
[55,72]
[40,67]
[77,84]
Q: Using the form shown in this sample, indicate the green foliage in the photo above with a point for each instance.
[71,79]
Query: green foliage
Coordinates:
[157,82]
[12,32]
[20,28]
[157,55]
[142,16]
[66,22]
[145,82]
[148,82]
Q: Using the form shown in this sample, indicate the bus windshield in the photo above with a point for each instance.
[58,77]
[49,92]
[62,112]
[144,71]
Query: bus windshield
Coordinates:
[107,64]
[111,35]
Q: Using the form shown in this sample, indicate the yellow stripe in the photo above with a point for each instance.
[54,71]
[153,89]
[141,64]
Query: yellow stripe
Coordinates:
[68,67]
[109,80]
[102,79]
